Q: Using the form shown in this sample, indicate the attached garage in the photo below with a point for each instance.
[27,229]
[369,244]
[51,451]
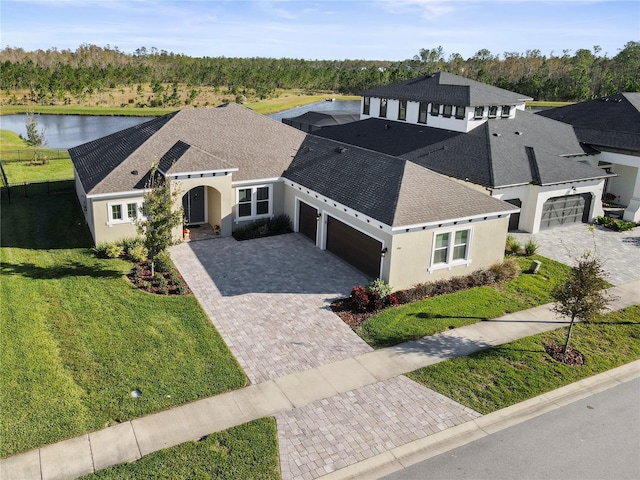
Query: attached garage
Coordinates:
[354,247]
[565,211]
[308,221]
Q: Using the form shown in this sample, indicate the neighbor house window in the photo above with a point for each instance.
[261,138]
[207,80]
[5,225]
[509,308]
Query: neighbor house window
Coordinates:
[506,110]
[435,109]
[124,212]
[422,112]
[383,108]
[479,112]
[402,110]
[460,112]
[254,202]
[493,111]
[447,110]
[451,248]
[366,105]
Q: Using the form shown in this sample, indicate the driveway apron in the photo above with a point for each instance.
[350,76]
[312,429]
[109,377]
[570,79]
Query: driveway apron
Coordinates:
[619,251]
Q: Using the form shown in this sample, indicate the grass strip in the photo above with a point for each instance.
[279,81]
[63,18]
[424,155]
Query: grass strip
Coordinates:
[511,373]
[436,314]
[78,338]
[248,451]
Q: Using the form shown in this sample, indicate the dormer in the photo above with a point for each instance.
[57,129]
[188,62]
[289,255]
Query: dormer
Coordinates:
[441,100]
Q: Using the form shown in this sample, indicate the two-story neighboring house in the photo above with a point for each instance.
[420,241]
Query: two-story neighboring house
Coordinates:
[610,126]
[483,136]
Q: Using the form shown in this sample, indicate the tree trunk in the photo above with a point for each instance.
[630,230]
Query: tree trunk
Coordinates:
[153,270]
[566,343]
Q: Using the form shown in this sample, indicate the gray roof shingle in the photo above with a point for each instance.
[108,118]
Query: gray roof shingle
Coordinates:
[386,188]
[612,121]
[447,88]
[226,137]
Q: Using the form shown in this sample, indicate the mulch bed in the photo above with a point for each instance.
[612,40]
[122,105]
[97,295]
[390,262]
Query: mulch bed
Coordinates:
[572,357]
[344,309]
[145,281]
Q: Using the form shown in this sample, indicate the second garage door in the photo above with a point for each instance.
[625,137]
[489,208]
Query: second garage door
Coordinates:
[565,210]
[354,247]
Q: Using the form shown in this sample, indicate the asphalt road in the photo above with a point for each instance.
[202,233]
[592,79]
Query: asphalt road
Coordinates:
[596,438]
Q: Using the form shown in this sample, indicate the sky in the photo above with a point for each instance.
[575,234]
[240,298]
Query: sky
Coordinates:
[322,29]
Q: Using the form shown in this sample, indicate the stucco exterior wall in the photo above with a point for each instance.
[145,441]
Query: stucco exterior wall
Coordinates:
[106,231]
[277,199]
[410,254]
[533,198]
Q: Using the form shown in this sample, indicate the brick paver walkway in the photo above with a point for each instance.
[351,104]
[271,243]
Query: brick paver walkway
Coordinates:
[336,432]
[619,251]
[269,300]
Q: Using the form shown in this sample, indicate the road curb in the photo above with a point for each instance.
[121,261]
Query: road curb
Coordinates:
[428,447]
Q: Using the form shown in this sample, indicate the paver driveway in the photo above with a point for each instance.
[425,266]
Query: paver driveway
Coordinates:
[269,299]
[619,251]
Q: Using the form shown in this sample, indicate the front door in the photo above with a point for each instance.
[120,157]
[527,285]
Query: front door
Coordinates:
[193,205]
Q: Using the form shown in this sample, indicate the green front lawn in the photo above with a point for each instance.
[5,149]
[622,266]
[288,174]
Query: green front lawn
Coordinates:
[432,315]
[245,452]
[508,374]
[77,337]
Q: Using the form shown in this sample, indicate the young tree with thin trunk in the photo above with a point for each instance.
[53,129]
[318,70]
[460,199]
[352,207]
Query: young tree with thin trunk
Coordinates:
[35,137]
[582,296]
[161,216]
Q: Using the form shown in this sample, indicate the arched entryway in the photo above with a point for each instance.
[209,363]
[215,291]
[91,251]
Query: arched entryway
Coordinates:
[193,204]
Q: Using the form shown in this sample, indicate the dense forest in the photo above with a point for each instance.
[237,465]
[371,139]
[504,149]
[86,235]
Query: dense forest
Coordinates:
[55,76]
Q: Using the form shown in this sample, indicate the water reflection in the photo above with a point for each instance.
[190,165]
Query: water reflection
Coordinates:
[66,131]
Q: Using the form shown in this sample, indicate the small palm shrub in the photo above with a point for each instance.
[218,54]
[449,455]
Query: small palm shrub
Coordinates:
[530,248]
[108,250]
[512,246]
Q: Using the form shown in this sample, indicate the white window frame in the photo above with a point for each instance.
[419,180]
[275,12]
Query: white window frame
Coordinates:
[506,111]
[254,203]
[478,113]
[124,212]
[366,106]
[493,111]
[450,262]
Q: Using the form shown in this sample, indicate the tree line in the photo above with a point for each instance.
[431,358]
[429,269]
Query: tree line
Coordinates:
[50,75]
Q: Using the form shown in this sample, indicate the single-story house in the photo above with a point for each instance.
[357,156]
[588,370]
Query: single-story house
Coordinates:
[387,216]
[483,136]
[610,127]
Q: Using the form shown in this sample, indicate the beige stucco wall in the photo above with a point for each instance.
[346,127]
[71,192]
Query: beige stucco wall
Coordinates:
[409,257]
[105,232]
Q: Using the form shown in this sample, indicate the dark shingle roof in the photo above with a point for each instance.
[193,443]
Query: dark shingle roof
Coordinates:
[499,153]
[95,160]
[612,121]
[447,88]
[388,189]
[312,121]
[392,138]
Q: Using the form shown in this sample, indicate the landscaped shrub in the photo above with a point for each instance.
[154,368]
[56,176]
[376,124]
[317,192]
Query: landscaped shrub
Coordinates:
[359,298]
[380,287]
[137,253]
[108,250]
[512,246]
[163,263]
[264,228]
[530,248]
[614,224]
[505,271]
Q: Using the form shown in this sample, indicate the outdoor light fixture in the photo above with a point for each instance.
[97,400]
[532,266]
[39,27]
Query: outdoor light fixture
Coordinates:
[318,217]
[383,253]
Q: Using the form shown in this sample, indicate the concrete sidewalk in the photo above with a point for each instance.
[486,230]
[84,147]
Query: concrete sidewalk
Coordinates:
[131,440]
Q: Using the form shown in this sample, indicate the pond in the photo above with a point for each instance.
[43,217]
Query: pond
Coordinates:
[66,131]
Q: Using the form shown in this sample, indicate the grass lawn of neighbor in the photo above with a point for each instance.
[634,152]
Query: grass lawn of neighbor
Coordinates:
[77,338]
[508,374]
[17,157]
[436,314]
